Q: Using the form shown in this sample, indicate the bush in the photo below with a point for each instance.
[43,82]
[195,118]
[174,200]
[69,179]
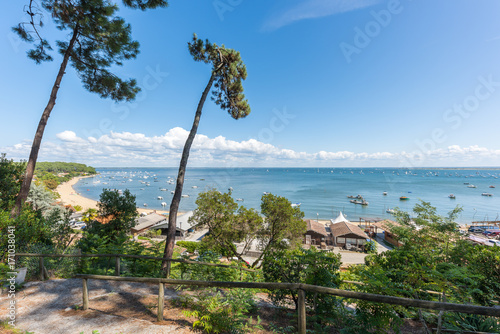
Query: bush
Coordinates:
[221,311]
[371,247]
[190,246]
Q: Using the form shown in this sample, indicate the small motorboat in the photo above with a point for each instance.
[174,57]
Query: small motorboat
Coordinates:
[145,204]
[185,196]
[390,211]
[471,186]
[384,193]
[451,196]
[486,194]
[163,189]
[172,192]
[492,186]
[163,204]
[295,205]
[194,187]
[404,198]
[241,200]
[159,198]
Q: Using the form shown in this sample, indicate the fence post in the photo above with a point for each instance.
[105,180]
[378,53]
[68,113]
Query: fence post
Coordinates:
[117,266]
[302,311]
[161,301]
[85,294]
[41,268]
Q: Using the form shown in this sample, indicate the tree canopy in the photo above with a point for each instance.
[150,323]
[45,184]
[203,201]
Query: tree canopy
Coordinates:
[99,40]
[281,227]
[11,176]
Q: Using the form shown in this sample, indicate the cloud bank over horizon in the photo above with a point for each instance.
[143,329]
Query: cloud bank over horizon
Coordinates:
[126,149]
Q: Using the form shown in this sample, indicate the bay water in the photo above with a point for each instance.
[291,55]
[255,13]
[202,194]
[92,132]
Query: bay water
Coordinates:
[321,192]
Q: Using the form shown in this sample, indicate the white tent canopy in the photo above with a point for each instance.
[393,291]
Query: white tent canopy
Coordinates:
[339,219]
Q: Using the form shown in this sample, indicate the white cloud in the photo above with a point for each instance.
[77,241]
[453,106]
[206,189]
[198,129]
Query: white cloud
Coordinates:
[68,136]
[137,149]
[311,9]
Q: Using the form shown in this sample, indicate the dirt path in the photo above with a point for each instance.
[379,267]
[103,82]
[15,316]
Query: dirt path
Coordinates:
[115,307]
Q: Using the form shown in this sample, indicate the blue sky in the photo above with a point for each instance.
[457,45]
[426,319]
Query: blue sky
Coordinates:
[330,82]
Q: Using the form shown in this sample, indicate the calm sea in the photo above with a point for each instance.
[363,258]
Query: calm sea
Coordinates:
[322,192]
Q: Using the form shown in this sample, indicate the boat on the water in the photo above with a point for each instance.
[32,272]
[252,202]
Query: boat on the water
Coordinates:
[241,200]
[163,204]
[452,196]
[404,198]
[184,196]
[390,211]
[486,194]
[294,205]
[159,197]
[492,186]
[471,186]
[357,196]
[360,202]
[384,193]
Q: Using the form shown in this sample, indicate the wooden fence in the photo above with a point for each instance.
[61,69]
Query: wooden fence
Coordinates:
[44,274]
[301,288]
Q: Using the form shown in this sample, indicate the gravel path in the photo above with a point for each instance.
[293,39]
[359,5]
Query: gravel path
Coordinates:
[48,308]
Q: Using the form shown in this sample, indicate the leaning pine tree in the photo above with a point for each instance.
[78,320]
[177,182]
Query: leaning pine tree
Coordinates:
[97,40]
[228,71]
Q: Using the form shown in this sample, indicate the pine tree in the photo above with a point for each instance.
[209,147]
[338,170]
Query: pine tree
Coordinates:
[228,71]
[98,40]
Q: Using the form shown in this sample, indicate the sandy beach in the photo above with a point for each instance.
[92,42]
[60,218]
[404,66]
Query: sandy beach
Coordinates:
[70,196]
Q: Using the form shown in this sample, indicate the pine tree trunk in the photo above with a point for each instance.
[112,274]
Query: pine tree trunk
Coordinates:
[35,147]
[174,206]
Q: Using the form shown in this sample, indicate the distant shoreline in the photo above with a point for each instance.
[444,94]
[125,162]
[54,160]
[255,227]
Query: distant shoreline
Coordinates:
[399,168]
[69,196]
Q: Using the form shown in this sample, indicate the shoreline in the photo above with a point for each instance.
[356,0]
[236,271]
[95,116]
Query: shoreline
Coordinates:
[69,196]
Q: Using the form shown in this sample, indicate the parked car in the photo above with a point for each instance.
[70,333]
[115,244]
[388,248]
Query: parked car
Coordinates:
[491,233]
[495,242]
[78,225]
[474,229]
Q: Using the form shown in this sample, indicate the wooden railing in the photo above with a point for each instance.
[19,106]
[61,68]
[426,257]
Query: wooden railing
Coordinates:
[43,271]
[301,288]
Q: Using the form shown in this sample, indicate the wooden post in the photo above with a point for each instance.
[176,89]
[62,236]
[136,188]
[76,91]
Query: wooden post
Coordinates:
[161,301]
[85,294]
[41,268]
[117,266]
[302,311]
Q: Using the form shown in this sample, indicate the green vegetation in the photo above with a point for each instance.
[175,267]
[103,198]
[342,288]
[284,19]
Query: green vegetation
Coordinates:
[52,174]
[11,177]
[63,167]
[281,227]
[221,312]
[228,72]
[309,266]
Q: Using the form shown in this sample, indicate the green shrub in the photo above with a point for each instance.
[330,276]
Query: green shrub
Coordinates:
[190,246]
[219,311]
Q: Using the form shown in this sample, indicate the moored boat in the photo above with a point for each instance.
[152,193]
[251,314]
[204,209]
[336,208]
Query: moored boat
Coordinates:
[404,198]
[452,196]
